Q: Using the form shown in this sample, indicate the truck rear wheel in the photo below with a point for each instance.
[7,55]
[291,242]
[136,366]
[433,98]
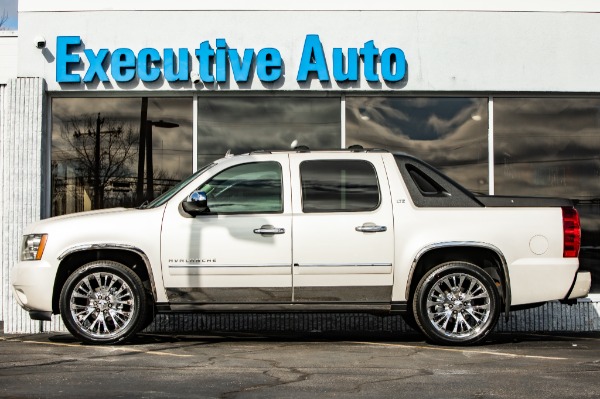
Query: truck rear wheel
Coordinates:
[103,302]
[456,303]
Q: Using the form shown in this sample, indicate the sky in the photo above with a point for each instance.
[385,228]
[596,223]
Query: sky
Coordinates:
[10,6]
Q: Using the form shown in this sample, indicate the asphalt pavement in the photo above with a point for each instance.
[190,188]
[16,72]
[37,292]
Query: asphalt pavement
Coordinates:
[300,366]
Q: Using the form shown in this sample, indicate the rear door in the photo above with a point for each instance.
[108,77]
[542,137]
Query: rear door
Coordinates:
[343,242]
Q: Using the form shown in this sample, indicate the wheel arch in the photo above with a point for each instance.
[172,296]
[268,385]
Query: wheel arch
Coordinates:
[129,256]
[483,255]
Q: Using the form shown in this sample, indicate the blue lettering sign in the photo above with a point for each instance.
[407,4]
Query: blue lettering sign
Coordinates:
[241,72]
[96,68]
[205,55]
[313,60]
[122,65]
[351,73]
[268,65]
[221,60]
[146,58]
[390,57]
[176,68]
[65,60]
[218,63]
[369,54]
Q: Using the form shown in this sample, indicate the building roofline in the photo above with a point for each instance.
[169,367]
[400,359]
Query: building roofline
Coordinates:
[582,6]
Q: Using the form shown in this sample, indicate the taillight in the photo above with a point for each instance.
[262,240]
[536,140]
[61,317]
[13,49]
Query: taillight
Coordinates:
[571,232]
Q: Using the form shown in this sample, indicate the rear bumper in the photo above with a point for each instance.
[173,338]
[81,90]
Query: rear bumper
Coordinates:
[581,286]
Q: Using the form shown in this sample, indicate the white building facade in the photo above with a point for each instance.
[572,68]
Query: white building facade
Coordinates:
[109,103]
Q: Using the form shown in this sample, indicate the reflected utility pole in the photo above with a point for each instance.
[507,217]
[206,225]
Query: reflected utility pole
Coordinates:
[145,152]
[139,192]
[149,162]
[97,197]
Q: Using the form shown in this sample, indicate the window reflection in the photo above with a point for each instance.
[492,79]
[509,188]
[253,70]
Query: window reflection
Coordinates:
[247,188]
[96,150]
[339,186]
[244,124]
[551,147]
[449,133]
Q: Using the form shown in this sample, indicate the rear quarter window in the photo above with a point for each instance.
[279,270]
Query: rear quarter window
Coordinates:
[428,187]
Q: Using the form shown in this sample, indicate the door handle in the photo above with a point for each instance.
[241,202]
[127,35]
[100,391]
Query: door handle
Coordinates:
[370,228]
[268,229]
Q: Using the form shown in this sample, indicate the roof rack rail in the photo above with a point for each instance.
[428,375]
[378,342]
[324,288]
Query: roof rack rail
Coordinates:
[377,150]
[356,148]
[260,152]
[302,148]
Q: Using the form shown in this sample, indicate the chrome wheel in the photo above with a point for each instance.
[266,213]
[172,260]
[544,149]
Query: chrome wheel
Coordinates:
[458,305]
[102,304]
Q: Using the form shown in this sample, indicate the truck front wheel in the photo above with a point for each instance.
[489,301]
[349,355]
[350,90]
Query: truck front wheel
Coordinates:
[456,303]
[103,302]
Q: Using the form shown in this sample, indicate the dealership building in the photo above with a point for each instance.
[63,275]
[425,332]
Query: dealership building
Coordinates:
[110,103]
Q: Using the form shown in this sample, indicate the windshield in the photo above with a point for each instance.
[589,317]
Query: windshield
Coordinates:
[167,195]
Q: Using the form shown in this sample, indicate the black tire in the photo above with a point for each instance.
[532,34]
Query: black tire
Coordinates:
[103,302]
[456,303]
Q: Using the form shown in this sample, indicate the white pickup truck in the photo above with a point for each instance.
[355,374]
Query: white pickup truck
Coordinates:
[350,230]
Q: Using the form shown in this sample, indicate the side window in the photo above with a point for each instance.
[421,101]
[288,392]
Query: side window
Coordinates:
[339,186]
[246,188]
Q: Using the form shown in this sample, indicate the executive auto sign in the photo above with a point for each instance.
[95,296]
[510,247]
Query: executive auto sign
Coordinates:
[216,60]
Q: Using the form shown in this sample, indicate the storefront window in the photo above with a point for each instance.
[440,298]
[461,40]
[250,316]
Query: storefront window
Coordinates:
[99,145]
[551,147]
[244,124]
[449,133]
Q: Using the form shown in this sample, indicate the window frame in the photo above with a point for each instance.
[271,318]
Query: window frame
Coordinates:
[281,193]
[340,161]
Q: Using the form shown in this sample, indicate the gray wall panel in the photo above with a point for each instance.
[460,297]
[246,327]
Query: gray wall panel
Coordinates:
[2,273]
[22,127]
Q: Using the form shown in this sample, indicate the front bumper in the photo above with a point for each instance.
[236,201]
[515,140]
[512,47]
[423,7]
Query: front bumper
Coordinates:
[581,286]
[33,285]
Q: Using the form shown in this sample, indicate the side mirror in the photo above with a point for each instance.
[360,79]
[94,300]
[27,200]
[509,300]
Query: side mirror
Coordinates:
[196,203]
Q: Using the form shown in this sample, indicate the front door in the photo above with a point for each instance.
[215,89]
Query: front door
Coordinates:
[343,229]
[239,251]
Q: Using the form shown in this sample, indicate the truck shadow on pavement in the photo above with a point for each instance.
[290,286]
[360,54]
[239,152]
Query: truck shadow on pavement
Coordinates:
[318,337]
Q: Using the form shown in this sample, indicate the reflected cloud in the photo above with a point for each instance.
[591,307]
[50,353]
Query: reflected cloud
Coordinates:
[442,131]
[245,124]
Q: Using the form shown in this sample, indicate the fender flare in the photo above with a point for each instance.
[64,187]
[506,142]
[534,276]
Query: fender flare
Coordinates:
[471,244]
[120,247]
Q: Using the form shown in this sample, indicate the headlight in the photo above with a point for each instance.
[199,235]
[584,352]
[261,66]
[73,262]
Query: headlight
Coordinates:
[33,246]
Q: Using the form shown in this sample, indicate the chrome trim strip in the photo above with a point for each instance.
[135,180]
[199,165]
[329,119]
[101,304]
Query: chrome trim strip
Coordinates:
[123,247]
[212,265]
[281,307]
[344,265]
[85,247]
[476,244]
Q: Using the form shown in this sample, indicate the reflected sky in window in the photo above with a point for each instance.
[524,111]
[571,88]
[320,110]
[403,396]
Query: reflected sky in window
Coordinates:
[244,124]
[450,133]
